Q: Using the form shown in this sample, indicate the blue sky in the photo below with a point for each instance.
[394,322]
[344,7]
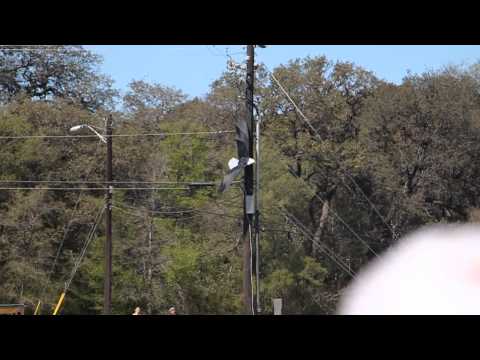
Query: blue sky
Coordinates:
[192,68]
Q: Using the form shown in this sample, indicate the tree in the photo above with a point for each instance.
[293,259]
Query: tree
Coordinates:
[326,156]
[150,103]
[411,150]
[46,73]
[422,138]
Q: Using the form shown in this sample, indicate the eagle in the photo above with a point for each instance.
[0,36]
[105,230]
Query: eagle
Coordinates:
[237,165]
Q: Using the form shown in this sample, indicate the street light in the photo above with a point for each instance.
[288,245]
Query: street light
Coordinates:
[83,126]
[107,290]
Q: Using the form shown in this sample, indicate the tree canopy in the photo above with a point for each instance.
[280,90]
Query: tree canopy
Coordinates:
[377,161]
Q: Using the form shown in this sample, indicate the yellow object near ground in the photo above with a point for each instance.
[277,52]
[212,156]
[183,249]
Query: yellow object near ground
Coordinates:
[60,302]
[37,308]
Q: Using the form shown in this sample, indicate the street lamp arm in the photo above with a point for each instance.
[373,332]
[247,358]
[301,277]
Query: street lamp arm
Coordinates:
[78,127]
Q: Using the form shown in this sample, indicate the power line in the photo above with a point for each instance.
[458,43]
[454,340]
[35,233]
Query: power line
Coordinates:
[332,211]
[144,209]
[199,213]
[116,135]
[296,106]
[213,53]
[94,189]
[79,259]
[227,54]
[155,212]
[84,249]
[188,217]
[323,247]
[66,229]
[349,228]
[193,183]
[320,138]
[353,232]
[176,208]
[353,180]
[175,133]
[176,211]
[2,48]
[297,223]
[186,211]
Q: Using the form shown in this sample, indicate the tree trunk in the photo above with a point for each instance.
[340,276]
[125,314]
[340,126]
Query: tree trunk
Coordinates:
[317,237]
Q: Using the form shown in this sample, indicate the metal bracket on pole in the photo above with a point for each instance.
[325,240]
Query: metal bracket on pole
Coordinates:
[249,205]
[277,306]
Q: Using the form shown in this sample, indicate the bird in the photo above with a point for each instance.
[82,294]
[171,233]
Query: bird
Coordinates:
[237,165]
[434,270]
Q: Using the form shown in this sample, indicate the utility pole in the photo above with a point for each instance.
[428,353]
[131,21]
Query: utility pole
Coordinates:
[107,291]
[249,206]
[257,213]
[257,204]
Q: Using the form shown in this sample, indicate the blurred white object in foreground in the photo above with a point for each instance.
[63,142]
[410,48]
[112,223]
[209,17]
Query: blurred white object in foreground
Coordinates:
[434,271]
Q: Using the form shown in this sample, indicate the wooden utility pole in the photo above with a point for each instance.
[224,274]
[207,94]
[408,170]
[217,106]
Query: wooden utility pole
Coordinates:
[257,214]
[107,291]
[249,206]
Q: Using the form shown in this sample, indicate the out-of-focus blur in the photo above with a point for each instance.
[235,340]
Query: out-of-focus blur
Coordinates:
[434,271]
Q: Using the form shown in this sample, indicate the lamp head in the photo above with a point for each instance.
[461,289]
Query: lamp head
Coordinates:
[76,128]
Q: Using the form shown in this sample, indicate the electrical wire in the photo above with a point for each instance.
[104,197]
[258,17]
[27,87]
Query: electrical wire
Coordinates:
[115,135]
[320,138]
[213,53]
[297,223]
[154,212]
[200,211]
[193,183]
[353,232]
[163,212]
[94,189]
[87,242]
[37,49]
[323,247]
[66,229]
[84,249]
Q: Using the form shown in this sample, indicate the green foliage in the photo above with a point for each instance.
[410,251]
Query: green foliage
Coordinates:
[59,72]
[412,149]
[300,290]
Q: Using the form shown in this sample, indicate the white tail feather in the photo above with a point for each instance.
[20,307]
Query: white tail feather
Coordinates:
[233,162]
